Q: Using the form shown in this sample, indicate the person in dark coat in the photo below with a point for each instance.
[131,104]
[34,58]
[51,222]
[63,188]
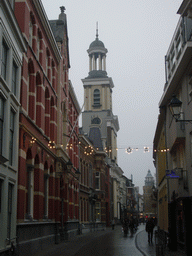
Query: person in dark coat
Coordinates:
[149,229]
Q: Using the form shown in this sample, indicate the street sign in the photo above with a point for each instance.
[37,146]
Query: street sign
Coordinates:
[171,174]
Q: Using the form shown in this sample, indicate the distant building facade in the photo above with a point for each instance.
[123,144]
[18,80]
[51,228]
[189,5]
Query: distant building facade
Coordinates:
[94,186]
[173,137]
[48,186]
[38,185]
[150,204]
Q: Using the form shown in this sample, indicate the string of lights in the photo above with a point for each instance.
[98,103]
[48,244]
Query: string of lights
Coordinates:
[89,150]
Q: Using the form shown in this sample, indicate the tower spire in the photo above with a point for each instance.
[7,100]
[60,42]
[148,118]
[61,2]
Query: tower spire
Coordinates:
[97,35]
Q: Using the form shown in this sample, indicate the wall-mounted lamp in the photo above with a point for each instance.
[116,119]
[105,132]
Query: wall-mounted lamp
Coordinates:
[69,165]
[32,141]
[175,108]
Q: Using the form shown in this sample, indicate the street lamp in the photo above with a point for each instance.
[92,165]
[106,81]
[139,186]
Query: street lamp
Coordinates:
[175,108]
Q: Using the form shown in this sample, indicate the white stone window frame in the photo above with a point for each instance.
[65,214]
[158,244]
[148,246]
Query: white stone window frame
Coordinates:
[96,97]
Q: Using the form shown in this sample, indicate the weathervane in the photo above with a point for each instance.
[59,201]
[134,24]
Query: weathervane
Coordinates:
[62,8]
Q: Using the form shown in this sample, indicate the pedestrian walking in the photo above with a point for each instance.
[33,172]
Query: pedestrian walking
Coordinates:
[149,229]
[125,226]
[131,226]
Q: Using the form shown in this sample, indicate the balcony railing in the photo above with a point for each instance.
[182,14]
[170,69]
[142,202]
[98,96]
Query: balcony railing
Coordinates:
[182,35]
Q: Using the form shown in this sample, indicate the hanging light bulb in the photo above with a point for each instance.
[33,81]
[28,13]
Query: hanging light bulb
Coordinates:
[129,150]
[146,149]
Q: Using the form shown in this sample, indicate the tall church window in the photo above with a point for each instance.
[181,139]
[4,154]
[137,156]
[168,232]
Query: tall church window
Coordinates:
[96,97]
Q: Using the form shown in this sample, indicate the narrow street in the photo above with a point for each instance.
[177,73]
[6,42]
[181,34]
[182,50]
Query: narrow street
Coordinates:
[108,242]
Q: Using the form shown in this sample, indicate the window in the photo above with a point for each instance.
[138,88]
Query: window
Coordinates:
[14,78]
[46,194]
[38,46]
[90,175]
[1,123]
[12,3]
[97,180]
[1,188]
[10,203]
[96,97]
[190,87]
[11,134]
[96,120]
[30,33]
[98,212]
[4,60]
[30,177]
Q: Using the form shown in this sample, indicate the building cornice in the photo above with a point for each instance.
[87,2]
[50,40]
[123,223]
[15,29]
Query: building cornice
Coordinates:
[45,24]
[14,25]
[98,81]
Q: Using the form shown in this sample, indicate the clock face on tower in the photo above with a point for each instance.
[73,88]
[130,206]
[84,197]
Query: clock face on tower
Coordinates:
[96,120]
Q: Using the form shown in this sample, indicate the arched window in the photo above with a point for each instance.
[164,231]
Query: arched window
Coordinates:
[52,120]
[31,29]
[53,74]
[37,181]
[39,44]
[30,33]
[47,112]
[96,97]
[46,190]
[38,100]
[29,185]
[32,90]
[48,64]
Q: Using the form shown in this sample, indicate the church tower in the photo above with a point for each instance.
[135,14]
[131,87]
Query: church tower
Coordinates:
[98,120]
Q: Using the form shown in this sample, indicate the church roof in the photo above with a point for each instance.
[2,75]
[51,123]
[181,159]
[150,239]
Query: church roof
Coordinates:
[149,175]
[95,137]
[97,43]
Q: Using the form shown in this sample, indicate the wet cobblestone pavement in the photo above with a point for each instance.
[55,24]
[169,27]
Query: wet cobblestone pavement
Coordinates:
[100,243]
[111,244]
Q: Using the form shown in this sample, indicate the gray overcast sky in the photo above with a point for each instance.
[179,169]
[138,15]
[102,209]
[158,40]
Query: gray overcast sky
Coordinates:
[137,35]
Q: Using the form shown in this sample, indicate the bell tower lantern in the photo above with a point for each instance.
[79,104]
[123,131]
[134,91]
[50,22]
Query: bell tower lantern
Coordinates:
[98,120]
[97,57]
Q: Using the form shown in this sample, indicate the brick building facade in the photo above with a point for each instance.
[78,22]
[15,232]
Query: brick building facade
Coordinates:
[48,144]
